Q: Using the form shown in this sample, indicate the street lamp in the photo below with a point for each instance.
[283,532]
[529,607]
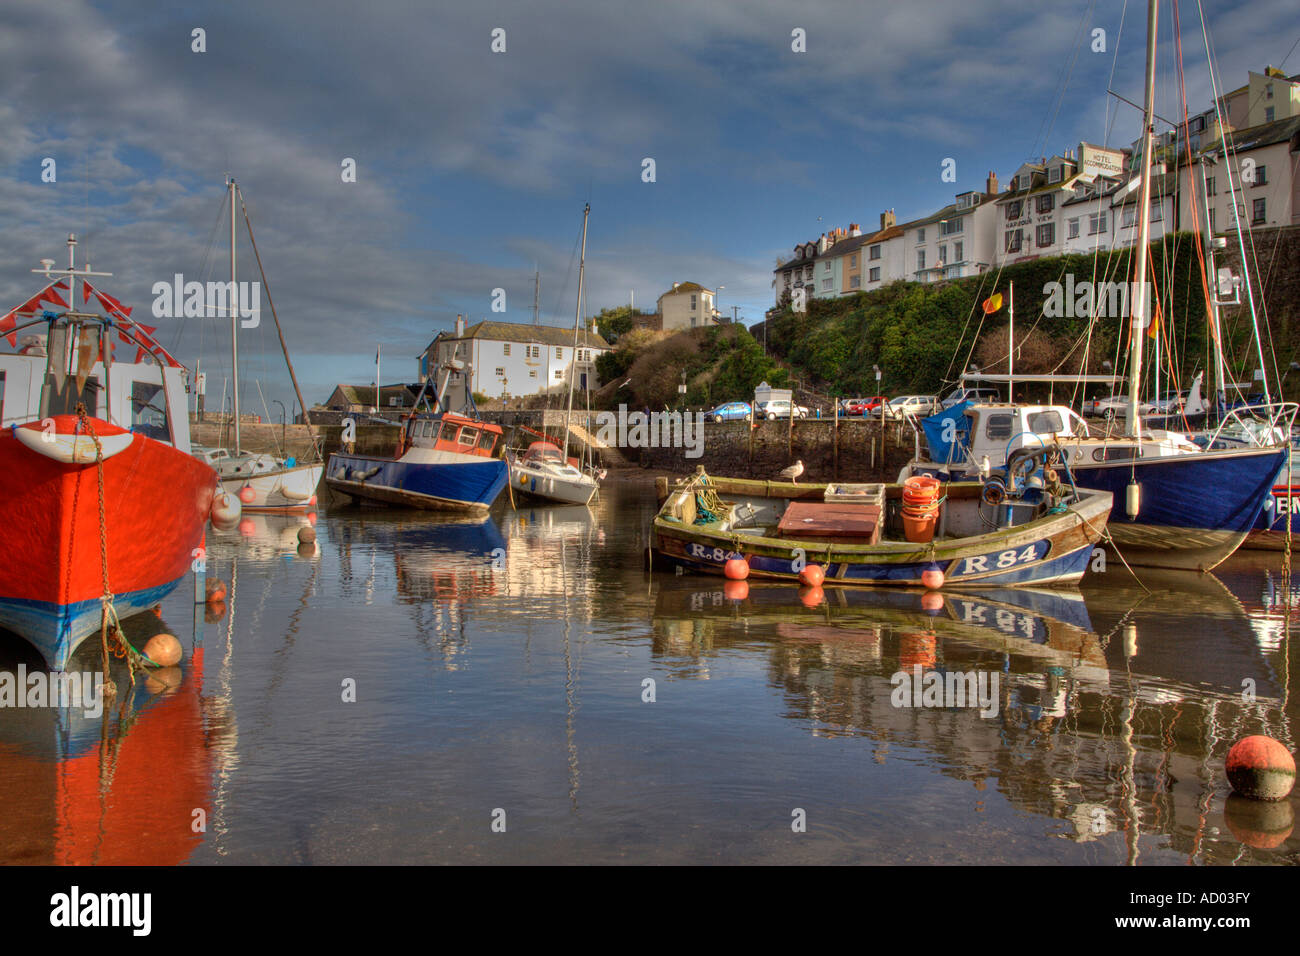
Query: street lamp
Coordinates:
[717,312]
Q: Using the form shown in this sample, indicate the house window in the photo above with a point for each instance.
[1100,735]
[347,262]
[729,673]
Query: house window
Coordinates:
[943,255]
[1269,113]
[1268,91]
[1054,176]
[855,282]
[1096,223]
[532,373]
[501,373]
[1072,228]
[1261,179]
[559,373]
[1257,212]
[505,348]
[853,261]
[693,300]
[1046,234]
[956,252]
[875,253]
[826,285]
[1156,214]
[1128,217]
[920,235]
[1013,240]
[1045,203]
[1209,187]
[1013,210]
[826,266]
[949,226]
[920,260]
[559,353]
[874,275]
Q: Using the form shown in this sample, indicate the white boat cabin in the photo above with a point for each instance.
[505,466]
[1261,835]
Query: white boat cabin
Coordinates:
[146,398]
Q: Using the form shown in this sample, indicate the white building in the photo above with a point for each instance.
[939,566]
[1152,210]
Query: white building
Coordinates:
[687,305]
[956,241]
[510,359]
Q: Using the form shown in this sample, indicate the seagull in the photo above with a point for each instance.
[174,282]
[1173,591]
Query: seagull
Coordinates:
[793,472]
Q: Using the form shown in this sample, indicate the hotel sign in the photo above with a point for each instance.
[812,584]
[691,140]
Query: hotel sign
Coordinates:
[1100,162]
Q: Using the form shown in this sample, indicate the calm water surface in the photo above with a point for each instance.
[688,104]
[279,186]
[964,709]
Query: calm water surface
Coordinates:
[499,673]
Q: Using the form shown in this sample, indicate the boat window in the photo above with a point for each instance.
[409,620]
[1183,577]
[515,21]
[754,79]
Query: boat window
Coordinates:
[426,429]
[998,427]
[486,441]
[1046,423]
[1113,453]
[149,410]
[468,436]
[448,432]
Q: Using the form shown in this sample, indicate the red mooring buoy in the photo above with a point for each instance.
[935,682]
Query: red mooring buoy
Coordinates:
[1260,768]
[737,569]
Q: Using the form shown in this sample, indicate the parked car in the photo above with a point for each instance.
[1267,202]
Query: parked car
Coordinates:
[1114,406]
[780,409]
[730,412]
[908,406]
[866,406]
[963,393]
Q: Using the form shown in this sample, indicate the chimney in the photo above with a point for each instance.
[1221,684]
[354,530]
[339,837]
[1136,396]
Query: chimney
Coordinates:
[991,184]
[887,219]
[854,230]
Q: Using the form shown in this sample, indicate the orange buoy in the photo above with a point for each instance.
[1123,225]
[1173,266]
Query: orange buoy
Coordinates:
[163,650]
[1260,768]
[737,569]
[736,590]
[811,596]
[247,528]
[932,602]
[311,518]
[812,576]
[247,494]
[1264,826]
[306,534]
[932,577]
[216,590]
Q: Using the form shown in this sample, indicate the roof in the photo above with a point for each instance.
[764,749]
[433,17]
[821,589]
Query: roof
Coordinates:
[844,247]
[365,394]
[528,334]
[686,287]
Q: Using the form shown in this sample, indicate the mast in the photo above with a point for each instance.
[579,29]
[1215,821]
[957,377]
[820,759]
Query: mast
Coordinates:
[1011,335]
[537,289]
[1138,300]
[577,318]
[234,315]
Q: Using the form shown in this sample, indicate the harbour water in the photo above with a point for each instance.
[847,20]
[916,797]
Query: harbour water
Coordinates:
[418,690]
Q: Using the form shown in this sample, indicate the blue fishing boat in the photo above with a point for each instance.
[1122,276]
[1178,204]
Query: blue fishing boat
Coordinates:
[444,462]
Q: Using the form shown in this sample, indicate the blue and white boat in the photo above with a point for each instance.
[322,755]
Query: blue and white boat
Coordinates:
[1183,506]
[444,462]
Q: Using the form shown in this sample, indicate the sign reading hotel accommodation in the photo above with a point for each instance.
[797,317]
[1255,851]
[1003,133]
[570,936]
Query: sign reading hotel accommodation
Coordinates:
[1100,162]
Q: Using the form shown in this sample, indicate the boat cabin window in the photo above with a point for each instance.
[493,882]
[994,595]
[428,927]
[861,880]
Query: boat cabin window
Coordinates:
[486,441]
[998,427]
[149,411]
[449,430]
[1115,453]
[1046,423]
[468,436]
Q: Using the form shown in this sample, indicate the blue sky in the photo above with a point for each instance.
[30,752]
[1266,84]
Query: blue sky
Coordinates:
[473,166]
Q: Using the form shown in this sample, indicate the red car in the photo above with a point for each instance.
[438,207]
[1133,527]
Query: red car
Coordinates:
[864,406]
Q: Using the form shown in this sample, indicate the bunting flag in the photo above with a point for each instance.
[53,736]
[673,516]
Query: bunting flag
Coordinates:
[30,308]
[992,303]
[141,335]
[7,324]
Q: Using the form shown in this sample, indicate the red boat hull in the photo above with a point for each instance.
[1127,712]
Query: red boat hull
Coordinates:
[156,502]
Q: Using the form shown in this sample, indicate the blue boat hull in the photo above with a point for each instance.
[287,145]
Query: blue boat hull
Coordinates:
[57,630]
[463,486]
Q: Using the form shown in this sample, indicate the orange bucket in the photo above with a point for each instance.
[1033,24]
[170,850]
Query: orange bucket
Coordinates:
[919,529]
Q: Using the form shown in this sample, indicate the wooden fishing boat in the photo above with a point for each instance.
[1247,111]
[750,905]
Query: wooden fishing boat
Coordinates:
[445,463]
[1036,535]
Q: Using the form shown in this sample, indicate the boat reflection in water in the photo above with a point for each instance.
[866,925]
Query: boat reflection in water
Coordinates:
[129,785]
[1104,719]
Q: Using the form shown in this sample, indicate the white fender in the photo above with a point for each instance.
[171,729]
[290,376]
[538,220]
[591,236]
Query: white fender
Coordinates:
[226,509]
[72,449]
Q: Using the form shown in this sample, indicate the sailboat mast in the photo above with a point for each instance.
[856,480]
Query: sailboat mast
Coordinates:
[537,291]
[577,318]
[1138,299]
[234,314]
